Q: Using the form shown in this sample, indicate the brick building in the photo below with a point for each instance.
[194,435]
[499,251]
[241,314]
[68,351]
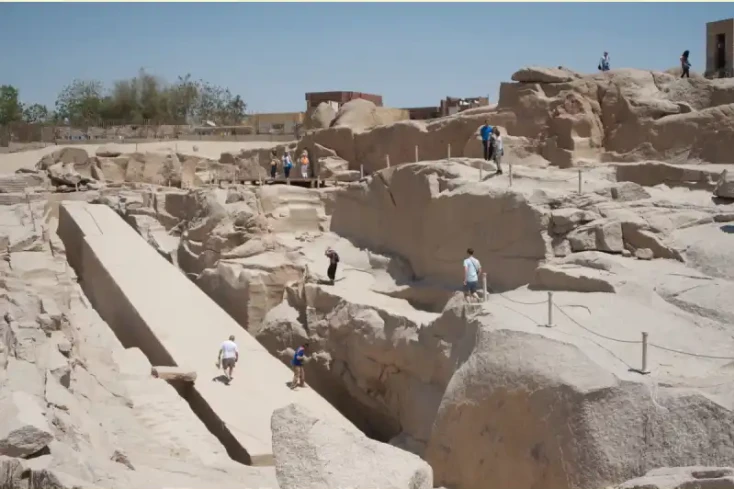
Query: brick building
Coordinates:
[313,99]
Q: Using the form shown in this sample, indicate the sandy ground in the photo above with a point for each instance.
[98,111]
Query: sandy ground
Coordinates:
[11,162]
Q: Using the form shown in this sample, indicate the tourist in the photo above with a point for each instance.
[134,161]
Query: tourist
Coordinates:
[486,131]
[287,164]
[273,164]
[685,65]
[333,261]
[229,354]
[299,376]
[499,149]
[472,269]
[304,164]
[604,62]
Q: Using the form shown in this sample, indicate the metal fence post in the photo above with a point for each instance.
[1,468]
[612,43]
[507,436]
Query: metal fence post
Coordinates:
[510,174]
[550,310]
[361,171]
[448,152]
[580,182]
[387,161]
[484,286]
[644,353]
[416,153]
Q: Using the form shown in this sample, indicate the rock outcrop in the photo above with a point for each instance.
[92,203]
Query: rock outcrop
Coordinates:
[565,118]
[315,454]
[725,186]
[682,477]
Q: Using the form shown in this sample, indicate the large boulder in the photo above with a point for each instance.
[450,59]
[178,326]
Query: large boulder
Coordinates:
[64,174]
[311,453]
[75,156]
[360,114]
[725,186]
[537,74]
[23,426]
[321,116]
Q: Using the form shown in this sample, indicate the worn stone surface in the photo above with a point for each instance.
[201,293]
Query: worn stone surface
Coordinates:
[312,453]
[725,185]
[23,426]
[484,392]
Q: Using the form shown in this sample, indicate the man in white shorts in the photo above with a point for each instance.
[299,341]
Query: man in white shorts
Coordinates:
[472,270]
[229,354]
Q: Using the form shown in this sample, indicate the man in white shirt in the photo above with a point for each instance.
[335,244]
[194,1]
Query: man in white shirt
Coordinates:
[229,354]
[472,270]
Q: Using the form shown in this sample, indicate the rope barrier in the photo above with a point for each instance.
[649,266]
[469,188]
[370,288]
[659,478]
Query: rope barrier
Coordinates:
[699,355]
[631,342]
[644,342]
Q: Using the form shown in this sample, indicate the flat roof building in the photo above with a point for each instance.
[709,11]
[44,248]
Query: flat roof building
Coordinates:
[720,49]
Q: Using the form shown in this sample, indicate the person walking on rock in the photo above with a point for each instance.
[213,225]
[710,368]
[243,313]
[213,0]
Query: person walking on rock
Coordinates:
[685,65]
[273,164]
[472,270]
[299,376]
[604,62]
[229,354]
[486,131]
[499,149]
[287,164]
[333,262]
[304,164]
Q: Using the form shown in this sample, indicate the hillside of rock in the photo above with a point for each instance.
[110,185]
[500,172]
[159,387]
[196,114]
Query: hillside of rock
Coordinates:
[406,360]
[564,118]
[78,409]
[542,384]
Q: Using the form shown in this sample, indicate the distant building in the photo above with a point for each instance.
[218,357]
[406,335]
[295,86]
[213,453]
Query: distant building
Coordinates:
[276,123]
[424,113]
[447,106]
[313,99]
[720,49]
[453,105]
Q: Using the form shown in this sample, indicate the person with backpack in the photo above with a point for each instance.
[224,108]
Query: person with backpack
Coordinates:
[287,164]
[604,62]
[685,65]
[485,132]
[333,262]
[472,270]
[299,375]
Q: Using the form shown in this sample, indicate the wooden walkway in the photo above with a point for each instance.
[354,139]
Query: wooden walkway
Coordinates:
[301,182]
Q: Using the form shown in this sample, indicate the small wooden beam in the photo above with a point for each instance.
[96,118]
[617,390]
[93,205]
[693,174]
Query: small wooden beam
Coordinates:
[174,373]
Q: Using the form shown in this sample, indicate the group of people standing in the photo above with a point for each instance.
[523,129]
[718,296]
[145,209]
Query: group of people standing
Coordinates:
[287,164]
[685,64]
[492,144]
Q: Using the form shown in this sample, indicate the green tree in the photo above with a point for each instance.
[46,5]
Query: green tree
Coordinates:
[81,102]
[182,99]
[35,114]
[10,107]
